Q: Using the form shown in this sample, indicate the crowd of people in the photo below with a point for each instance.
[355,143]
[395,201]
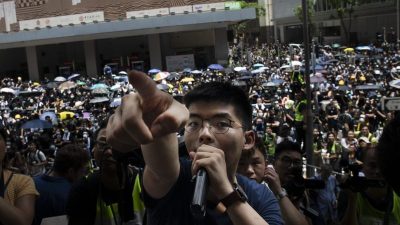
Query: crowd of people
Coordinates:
[129,171]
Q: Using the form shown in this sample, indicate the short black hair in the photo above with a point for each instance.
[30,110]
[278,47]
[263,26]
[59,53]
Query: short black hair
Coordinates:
[388,153]
[70,156]
[224,93]
[287,145]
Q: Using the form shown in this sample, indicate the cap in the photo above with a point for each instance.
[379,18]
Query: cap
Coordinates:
[364,139]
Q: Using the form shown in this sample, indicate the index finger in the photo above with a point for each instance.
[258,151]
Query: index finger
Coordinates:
[145,86]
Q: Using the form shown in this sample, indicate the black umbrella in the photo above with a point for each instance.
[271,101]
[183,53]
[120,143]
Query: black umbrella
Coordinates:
[245,78]
[52,85]
[369,87]
[343,88]
[163,87]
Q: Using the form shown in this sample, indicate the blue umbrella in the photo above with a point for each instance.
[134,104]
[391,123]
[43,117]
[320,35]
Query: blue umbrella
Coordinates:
[52,116]
[215,67]
[187,70]
[99,86]
[363,48]
[37,124]
[277,81]
[154,71]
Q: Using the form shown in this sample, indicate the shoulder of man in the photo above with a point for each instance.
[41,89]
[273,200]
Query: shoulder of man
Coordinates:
[261,198]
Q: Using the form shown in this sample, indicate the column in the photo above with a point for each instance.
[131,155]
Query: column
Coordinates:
[155,51]
[33,68]
[221,46]
[90,58]
[282,33]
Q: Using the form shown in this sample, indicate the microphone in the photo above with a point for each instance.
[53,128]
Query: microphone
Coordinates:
[198,206]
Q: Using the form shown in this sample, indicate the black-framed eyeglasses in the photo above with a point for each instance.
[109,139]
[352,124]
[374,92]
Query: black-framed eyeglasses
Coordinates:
[289,162]
[217,125]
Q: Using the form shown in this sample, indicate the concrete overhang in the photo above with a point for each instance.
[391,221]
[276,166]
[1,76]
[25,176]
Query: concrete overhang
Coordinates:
[125,28]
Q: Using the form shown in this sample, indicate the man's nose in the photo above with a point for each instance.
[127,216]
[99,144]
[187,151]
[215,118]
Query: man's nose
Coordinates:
[250,171]
[205,135]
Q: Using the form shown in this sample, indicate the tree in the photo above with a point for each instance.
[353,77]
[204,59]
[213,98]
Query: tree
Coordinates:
[298,11]
[345,10]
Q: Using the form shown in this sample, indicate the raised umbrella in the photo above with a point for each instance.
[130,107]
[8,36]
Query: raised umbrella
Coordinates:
[395,83]
[60,79]
[8,90]
[75,75]
[215,67]
[187,79]
[161,76]
[37,124]
[99,100]
[154,71]
[66,85]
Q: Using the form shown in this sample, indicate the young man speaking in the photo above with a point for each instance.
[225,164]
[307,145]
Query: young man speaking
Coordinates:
[217,120]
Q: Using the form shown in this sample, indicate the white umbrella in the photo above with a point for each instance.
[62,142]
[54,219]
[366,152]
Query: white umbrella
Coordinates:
[296,63]
[7,90]
[395,83]
[60,79]
[196,72]
[257,71]
[115,102]
[284,67]
[73,76]
[239,68]
[99,100]
[115,87]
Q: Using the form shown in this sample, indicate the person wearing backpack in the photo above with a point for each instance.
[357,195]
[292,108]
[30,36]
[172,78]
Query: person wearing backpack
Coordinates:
[36,160]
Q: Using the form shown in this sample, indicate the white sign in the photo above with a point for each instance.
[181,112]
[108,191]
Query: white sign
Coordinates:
[62,20]
[209,7]
[181,9]
[150,12]
[391,104]
[179,62]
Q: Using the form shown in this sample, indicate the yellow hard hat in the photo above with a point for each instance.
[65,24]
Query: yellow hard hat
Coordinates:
[17,116]
[341,82]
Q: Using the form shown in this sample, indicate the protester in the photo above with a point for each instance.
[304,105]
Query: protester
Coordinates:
[70,164]
[287,165]
[108,195]
[17,193]
[216,147]
[253,162]
[379,205]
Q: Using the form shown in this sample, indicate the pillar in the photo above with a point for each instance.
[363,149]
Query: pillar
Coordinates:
[33,68]
[155,51]
[221,46]
[90,58]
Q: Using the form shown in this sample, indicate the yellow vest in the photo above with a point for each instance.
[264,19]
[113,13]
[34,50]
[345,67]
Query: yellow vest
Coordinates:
[298,116]
[368,215]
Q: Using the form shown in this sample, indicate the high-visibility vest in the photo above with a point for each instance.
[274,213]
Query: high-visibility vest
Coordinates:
[108,214]
[298,116]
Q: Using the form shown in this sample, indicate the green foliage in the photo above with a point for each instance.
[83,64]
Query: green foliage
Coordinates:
[241,27]
[298,11]
[259,9]
[345,9]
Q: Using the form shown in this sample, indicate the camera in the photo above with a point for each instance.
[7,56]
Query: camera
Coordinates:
[359,183]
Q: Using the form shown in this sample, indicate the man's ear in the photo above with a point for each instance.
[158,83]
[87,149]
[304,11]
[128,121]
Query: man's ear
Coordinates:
[250,138]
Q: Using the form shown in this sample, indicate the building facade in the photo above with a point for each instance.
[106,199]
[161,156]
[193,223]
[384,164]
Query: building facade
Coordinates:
[371,18]
[43,38]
